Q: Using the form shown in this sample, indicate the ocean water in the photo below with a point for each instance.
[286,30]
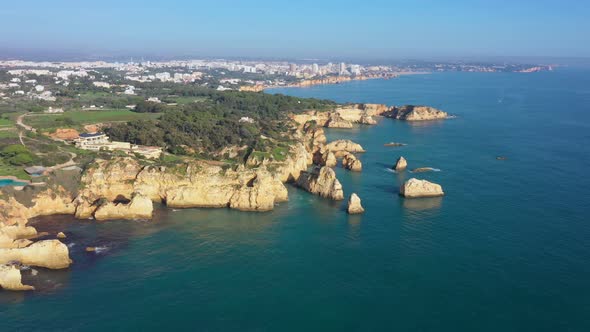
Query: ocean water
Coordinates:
[507,248]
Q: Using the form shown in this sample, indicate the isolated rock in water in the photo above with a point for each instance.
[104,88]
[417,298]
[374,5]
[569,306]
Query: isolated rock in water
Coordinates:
[10,278]
[341,147]
[420,188]
[415,113]
[61,235]
[140,207]
[401,164]
[354,205]
[90,249]
[422,169]
[350,162]
[321,182]
[51,254]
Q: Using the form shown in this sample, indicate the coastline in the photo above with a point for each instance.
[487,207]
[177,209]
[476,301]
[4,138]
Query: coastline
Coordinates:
[329,81]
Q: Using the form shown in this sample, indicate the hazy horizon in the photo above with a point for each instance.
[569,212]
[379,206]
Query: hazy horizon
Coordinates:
[370,31]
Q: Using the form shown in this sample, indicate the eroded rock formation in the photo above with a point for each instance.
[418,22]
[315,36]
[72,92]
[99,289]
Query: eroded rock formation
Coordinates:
[420,188]
[51,254]
[323,182]
[354,205]
[350,162]
[11,278]
[400,165]
[415,113]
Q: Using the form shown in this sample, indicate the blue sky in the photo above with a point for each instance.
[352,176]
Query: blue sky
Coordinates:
[300,28]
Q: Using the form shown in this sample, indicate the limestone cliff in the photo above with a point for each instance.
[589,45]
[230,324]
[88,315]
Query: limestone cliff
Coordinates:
[343,117]
[323,182]
[140,207]
[51,254]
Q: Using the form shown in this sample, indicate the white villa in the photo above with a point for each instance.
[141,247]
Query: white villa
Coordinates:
[100,141]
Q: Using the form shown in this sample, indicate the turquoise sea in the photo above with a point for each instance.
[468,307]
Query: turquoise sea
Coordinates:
[507,248]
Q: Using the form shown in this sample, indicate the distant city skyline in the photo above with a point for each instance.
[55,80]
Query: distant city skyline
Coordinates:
[335,30]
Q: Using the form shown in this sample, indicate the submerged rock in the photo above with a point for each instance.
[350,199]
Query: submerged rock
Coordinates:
[11,278]
[401,164]
[423,169]
[322,182]
[420,188]
[354,205]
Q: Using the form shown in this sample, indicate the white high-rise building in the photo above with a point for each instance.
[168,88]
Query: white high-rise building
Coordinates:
[315,69]
[342,68]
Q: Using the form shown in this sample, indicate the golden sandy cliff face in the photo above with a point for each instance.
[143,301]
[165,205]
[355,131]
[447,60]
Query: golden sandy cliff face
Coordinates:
[323,182]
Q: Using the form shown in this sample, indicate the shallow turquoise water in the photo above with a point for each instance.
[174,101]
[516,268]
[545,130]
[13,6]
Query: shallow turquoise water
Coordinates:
[507,249]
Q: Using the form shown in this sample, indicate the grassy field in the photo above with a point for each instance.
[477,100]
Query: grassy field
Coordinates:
[78,118]
[9,170]
[6,123]
[8,133]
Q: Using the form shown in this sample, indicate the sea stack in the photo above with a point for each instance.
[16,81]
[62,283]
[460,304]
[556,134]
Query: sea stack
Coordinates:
[420,188]
[10,278]
[401,164]
[350,162]
[354,205]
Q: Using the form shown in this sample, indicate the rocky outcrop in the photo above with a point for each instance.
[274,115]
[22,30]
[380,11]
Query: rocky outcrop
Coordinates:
[324,157]
[11,278]
[367,119]
[335,120]
[51,254]
[343,117]
[415,113]
[400,165]
[350,162]
[354,205]
[323,182]
[140,207]
[420,188]
[342,147]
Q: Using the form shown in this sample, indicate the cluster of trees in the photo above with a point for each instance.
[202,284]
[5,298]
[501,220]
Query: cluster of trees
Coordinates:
[17,155]
[149,107]
[223,119]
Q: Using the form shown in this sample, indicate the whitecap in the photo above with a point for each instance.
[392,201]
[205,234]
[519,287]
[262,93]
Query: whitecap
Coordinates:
[390,170]
[71,244]
[98,250]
